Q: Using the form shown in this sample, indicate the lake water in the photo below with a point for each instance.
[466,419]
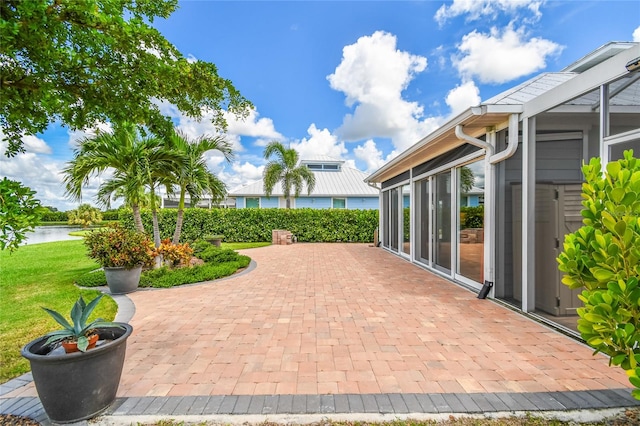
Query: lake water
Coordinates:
[47,234]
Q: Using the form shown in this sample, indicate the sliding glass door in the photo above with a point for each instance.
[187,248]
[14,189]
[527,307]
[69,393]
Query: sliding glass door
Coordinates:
[442,222]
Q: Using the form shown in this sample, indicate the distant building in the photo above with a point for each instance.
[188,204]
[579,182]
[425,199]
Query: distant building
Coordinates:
[337,187]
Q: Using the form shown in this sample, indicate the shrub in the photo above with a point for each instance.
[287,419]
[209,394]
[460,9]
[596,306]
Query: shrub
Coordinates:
[116,246]
[174,254]
[165,277]
[85,215]
[254,225]
[603,258]
[218,255]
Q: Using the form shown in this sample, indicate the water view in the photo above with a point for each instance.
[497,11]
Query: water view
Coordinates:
[47,234]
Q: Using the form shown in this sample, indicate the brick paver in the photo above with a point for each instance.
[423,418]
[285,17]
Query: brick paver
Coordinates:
[347,319]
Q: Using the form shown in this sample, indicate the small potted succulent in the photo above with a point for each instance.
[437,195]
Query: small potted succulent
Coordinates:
[122,253]
[79,384]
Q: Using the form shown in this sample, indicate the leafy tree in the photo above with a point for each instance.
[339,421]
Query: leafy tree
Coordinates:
[285,169]
[603,259]
[192,176]
[85,215]
[84,62]
[134,161]
[466,179]
[20,213]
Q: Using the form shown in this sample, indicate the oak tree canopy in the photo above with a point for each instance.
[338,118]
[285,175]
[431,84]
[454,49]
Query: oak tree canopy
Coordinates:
[88,61]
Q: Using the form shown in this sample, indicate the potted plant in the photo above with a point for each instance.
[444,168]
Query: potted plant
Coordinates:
[81,384]
[121,252]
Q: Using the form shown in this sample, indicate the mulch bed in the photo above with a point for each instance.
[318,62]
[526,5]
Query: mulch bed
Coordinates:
[10,420]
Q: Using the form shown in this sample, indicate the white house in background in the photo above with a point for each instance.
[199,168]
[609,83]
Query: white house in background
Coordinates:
[527,146]
[337,187]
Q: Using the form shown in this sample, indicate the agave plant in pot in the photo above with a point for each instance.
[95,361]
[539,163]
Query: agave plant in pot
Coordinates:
[122,253]
[82,383]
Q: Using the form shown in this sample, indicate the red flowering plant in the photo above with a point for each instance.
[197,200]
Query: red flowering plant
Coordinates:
[174,254]
[116,246]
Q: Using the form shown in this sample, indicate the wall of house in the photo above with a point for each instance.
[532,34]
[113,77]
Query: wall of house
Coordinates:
[363,203]
[267,203]
[313,202]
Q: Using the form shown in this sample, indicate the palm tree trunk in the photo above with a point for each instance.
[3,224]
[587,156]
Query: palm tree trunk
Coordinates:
[179,219]
[156,227]
[288,202]
[137,218]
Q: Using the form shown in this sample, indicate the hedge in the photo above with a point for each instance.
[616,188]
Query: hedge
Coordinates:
[255,225]
[64,216]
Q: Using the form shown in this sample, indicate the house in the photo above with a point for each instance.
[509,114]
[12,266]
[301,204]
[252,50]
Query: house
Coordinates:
[338,186]
[527,146]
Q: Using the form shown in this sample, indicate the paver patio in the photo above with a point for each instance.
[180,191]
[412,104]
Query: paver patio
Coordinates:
[318,319]
[344,318]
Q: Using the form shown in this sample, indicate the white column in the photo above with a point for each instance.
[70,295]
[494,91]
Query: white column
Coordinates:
[528,214]
[604,124]
[489,216]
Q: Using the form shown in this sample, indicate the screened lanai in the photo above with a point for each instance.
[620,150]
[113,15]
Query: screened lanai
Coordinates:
[524,148]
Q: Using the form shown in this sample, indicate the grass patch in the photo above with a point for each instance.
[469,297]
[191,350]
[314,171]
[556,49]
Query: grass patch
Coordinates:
[243,246]
[84,232]
[39,275]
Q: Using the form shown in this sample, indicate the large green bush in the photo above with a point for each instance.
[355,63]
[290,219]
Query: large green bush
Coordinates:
[603,259]
[254,225]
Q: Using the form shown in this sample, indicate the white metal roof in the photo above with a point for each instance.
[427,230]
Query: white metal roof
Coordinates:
[530,89]
[331,183]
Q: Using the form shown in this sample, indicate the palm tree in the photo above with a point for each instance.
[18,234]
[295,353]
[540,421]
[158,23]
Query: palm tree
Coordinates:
[137,164]
[285,169]
[192,176]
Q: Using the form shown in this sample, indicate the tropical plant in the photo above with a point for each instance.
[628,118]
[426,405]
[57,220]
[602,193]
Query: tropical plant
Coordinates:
[603,259]
[86,62]
[117,246]
[136,164]
[20,213]
[79,330]
[85,215]
[191,174]
[174,254]
[286,170]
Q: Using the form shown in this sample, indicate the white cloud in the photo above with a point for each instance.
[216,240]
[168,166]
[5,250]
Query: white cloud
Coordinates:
[241,174]
[501,57]
[636,34]
[373,74]
[320,142]
[483,9]
[370,155]
[35,145]
[462,97]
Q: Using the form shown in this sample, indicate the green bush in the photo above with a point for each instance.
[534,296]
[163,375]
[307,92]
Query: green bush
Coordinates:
[471,217]
[255,225]
[50,216]
[215,254]
[603,259]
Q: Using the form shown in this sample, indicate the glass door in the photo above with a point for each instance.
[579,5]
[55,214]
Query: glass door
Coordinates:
[406,219]
[422,221]
[442,222]
[470,262]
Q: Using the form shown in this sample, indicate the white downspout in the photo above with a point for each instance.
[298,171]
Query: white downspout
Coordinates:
[489,198]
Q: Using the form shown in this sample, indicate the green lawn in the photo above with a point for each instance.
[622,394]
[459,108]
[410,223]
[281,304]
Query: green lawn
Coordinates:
[242,246]
[34,276]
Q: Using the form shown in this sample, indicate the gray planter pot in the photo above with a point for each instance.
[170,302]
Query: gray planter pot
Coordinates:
[80,385]
[121,280]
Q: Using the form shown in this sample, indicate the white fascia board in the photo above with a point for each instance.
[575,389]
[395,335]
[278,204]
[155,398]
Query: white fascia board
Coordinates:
[589,80]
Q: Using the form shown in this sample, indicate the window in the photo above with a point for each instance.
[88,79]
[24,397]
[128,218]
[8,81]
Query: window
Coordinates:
[252,202]
[314,166]
[339,203]
[331,167]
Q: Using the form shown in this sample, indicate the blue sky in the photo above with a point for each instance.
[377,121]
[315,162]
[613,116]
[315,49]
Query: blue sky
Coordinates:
[357,80]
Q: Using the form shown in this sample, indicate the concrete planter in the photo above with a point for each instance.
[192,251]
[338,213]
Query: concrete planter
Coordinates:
[121,280]
[80,385]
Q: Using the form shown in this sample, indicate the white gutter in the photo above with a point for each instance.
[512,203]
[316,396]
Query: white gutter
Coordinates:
[512,145]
